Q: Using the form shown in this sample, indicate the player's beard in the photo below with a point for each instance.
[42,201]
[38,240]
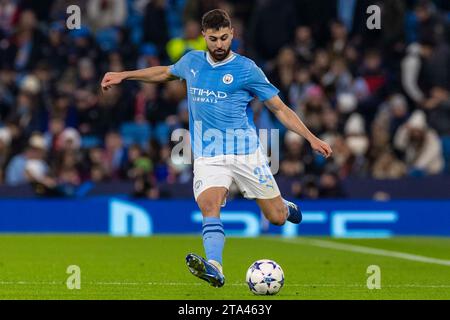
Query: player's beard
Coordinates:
[219,56]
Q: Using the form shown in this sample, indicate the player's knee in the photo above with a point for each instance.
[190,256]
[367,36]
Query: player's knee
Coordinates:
[209,207]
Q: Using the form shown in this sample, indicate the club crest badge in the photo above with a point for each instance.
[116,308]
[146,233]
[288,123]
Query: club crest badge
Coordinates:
[227,79]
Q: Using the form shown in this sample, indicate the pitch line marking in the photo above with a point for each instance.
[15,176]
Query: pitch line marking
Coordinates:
[367,250]
[99,283]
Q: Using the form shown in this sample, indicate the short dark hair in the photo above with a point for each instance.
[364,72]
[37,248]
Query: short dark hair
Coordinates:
[216,19]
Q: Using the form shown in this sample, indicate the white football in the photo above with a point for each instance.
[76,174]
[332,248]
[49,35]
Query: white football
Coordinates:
[265,277]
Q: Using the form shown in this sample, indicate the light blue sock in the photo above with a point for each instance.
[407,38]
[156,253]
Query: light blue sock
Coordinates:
[213,238]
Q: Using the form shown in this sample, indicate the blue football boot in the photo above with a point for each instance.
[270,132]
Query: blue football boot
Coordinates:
[294,214]
[205,270]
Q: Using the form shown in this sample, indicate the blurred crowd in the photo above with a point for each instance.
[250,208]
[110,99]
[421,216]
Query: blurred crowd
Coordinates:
[380,97]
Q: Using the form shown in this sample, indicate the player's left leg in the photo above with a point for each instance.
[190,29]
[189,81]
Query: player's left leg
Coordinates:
[255,180]
[277,210]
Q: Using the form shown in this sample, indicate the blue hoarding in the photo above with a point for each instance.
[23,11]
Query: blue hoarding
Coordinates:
[122,217]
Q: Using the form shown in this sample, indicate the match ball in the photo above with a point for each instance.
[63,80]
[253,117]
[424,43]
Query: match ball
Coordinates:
[265,277]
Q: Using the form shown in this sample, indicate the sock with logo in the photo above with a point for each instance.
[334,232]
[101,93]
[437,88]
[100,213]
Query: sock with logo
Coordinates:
[213,238]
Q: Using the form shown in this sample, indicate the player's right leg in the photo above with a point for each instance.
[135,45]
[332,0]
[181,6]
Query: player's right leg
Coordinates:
[212,179]
[209,202]
[210,269]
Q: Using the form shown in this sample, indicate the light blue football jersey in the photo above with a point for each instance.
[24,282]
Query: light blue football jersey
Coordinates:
[219,95]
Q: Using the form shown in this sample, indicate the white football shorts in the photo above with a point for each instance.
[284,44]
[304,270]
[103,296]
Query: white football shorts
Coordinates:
[251,174]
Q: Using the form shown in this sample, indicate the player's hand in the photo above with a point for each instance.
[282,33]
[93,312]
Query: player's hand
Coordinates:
[321,147]
[110,79]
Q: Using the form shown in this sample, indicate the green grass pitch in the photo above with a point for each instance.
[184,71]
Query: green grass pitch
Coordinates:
[34,267]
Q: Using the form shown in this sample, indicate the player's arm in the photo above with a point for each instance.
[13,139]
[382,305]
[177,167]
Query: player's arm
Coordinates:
[291,121]
[152,75]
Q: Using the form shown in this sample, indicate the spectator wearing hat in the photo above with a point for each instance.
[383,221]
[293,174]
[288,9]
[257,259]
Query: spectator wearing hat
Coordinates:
[69,140]
[31,160]
[311,111]
[420,145]
[346,104]
[392,113]
[358,145]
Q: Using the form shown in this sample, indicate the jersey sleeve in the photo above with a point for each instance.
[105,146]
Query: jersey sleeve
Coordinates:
[181,67]
[258,84]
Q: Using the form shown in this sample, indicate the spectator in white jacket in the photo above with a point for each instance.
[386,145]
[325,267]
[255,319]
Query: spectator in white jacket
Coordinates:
[425,66]
[420,144]
[106,13]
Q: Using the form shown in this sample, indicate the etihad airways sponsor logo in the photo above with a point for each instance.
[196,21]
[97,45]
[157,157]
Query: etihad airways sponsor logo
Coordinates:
[206,95]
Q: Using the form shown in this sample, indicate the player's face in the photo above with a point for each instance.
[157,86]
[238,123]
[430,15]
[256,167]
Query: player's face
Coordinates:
[219,42]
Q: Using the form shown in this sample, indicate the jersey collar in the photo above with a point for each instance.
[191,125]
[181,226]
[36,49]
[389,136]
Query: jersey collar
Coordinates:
[219,63]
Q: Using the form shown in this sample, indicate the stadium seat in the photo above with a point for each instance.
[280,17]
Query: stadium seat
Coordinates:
[161,133]
[135,133]
[88,142]
[107,39]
